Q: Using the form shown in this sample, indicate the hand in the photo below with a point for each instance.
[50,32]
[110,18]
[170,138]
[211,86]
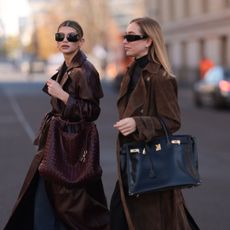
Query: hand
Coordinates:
[55,90]
[126,126]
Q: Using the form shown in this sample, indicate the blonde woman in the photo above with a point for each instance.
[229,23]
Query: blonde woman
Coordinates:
[148,91]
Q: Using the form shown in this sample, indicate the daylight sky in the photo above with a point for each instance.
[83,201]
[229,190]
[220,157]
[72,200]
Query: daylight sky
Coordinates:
[10,11]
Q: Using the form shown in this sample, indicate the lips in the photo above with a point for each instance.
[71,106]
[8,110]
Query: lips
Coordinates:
[64,46]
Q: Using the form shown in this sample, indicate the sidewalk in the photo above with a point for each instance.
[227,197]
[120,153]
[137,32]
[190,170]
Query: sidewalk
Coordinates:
[9,74]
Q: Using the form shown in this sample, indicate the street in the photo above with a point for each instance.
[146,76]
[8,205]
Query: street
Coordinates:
[23,105]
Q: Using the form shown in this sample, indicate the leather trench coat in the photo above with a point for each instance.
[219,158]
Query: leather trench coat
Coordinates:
[154,95]
[82,208]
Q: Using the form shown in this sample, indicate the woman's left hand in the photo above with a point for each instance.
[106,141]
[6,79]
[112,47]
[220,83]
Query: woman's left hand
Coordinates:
[55,90]
[126,126]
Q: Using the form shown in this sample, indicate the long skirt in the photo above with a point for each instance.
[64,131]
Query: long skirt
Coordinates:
[44,216]
[44,205]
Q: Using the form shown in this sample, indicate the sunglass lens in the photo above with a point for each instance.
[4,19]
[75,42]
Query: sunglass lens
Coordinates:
[59,37]
[133,37]
[129,37]
[72,37]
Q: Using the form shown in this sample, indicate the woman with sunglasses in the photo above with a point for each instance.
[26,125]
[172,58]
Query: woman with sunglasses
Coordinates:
[75,91]
[148,91]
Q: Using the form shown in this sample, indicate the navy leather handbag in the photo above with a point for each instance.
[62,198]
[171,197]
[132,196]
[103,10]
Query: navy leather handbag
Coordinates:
[167,162]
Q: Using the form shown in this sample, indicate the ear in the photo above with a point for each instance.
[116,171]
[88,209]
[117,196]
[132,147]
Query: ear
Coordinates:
[149,41]
[81,42]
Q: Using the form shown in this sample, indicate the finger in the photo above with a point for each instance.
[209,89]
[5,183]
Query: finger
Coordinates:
[126,131]
[123,128]
[118,126]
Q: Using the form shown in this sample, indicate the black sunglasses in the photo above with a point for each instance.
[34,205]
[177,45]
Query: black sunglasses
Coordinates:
[134,37]
[71,37]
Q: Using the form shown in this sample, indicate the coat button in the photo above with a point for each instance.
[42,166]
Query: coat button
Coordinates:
[148,79]
[142,111]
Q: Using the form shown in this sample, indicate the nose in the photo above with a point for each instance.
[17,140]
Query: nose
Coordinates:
[124,41]
[65,38]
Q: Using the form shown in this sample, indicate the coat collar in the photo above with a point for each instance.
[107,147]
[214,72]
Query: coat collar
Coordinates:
[76,62]
[150,68]
[136,98]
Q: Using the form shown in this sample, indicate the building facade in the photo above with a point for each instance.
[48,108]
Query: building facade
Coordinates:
[194,29]
[123,11]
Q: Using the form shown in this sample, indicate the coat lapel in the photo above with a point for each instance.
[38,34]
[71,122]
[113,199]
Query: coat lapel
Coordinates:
[128,105]
[77,61]
[137,98]
[64,78]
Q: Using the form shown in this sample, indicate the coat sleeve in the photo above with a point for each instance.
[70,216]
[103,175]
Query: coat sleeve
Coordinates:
[166,107]
[89,91]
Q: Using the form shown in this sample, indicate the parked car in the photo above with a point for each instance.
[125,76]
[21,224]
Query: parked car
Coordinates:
[214,89]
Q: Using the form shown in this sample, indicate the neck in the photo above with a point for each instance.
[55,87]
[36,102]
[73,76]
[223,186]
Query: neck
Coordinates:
[141,55]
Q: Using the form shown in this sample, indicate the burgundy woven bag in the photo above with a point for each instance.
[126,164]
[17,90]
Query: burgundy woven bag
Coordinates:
[71,153]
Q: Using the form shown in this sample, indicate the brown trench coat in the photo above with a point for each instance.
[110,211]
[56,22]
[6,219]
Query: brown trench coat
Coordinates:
[154,95]
[84,207]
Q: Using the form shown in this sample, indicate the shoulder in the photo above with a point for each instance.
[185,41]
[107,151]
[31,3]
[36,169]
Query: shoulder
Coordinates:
[162,81]
[85,71]
[87,78]
[160,75]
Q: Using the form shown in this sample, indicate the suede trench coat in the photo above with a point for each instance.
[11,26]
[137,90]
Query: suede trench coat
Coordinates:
[154,95]
[82,208]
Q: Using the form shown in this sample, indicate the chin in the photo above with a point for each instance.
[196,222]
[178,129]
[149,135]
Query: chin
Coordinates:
[129,54]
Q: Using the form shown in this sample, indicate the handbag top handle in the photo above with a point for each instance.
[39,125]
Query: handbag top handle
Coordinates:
[163,125]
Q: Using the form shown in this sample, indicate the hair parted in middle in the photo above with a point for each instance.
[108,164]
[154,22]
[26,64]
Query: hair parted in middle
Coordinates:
[75,25]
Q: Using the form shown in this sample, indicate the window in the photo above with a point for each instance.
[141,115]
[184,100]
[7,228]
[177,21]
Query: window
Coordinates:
[227,3]
[171,5]
[205,6]
[223,51]
[202,53]
[186,8]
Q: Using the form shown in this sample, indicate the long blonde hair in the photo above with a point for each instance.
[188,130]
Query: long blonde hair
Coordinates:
[157,50]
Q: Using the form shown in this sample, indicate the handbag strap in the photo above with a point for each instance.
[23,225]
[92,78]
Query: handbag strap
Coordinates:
[164,126]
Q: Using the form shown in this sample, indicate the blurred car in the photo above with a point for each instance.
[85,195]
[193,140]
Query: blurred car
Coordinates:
[214,89]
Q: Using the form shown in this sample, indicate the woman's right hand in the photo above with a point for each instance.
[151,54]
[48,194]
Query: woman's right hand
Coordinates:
[55,90]
[126,126]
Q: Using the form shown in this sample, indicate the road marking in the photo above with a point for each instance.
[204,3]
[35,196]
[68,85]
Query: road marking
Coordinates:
[20,116]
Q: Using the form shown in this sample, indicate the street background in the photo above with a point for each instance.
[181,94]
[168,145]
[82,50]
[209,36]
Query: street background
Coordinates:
[23,105]
[196,35]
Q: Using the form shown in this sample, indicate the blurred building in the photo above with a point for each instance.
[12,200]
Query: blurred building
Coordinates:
[125,10]
[122,12]
[194,29]
[2,35]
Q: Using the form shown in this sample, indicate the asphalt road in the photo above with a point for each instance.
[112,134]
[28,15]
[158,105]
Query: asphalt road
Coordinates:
[23,106]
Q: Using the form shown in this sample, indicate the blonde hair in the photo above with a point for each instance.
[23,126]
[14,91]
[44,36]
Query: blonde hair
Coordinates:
[157,50]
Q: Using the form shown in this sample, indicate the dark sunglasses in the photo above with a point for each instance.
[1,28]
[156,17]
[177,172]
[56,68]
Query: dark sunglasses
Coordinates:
[71,37]
[134,37]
